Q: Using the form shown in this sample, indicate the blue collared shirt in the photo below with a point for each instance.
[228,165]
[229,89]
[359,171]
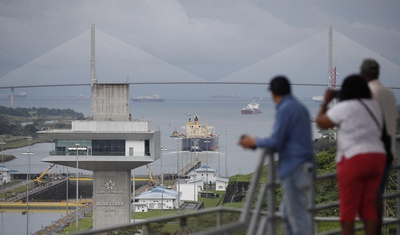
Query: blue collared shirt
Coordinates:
[291,136]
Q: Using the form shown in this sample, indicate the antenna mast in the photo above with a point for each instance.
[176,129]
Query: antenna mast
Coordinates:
[331,83]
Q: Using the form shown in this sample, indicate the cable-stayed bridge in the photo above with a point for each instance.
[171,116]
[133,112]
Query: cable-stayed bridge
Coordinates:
[305,63]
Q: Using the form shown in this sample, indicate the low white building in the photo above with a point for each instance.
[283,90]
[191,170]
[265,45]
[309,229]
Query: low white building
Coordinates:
[5,176]
[208,174]
[140,207]
[190,189]
[221,184]
[159,198]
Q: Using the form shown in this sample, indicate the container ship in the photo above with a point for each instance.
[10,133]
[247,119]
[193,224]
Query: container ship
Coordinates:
[151,98]
[198,137]
[251,108]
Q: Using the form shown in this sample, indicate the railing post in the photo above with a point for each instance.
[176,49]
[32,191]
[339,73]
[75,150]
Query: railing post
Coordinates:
[245,215]
[311,203]
[183,224]
[396,160]
[271,194]
[219,219]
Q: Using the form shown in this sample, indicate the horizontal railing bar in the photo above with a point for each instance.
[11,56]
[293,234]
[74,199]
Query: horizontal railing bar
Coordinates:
[326,206]
[223,228]
[326,176]
[391,195]
[163,219]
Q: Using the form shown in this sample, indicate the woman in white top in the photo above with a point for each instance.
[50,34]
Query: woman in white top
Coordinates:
[360,155]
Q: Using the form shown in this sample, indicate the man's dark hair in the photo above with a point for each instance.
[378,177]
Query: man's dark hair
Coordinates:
[355,87]
[370,69]
[280,85]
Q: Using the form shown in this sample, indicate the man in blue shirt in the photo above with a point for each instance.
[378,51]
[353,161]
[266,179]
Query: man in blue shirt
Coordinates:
[291,138]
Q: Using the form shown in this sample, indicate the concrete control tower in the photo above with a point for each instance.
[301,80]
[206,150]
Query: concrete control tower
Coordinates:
[110,145]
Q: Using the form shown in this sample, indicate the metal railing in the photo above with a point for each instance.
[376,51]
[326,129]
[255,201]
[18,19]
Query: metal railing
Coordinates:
[251,219]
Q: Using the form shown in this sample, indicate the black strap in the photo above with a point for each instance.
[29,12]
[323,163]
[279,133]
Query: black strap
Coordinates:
[385,137]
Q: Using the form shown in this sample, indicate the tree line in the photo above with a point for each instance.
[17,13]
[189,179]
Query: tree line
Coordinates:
[27,121]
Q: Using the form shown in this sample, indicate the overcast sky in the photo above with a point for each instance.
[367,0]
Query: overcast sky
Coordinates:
[208,38]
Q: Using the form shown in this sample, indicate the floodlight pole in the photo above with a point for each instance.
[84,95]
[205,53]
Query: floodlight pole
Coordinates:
[2,167]
[2,178]
[77,187]
[29,153]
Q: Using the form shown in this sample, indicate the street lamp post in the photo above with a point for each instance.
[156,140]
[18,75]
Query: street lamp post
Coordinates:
[162,184]
[177,170]
[77,193]
[2,178]
[226,154]
[219,160]
[2,167]
[207,142]
[194,187]
[162,179]
[29,138]
[67,196]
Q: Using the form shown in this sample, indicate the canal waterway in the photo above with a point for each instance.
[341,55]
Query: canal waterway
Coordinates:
[15,223]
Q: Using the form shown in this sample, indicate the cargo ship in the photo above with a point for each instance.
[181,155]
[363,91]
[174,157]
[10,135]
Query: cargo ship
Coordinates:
[151,98]
[251,108]
[198,137]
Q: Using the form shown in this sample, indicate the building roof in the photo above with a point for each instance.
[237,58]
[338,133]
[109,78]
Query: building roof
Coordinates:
[205,169]
[225,180]
[191,181]
[140,204]
[158,193]
[3,169]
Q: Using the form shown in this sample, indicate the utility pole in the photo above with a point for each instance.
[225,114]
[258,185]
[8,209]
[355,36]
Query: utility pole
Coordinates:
[226,154]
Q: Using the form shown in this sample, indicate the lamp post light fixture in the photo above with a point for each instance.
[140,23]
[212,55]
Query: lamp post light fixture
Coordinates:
[29,153]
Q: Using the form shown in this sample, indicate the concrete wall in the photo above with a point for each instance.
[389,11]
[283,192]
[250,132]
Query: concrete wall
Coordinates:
[111,198]
[207,176]
[116,126]
[157,203]
[111,102]
[190,192]
[138,147]
[221,186]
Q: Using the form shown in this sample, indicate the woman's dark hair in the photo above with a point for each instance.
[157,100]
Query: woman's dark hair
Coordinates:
[280,85]
[354,87]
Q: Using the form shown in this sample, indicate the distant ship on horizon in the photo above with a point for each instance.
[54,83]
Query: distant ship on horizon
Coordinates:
[318,98]
[151,98]
[251,108]
[225,96]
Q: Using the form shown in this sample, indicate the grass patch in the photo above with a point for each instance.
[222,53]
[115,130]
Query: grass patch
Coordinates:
[84,224]
[13,142]
[9,193]
[153,214]
[212,202]
[248,177]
